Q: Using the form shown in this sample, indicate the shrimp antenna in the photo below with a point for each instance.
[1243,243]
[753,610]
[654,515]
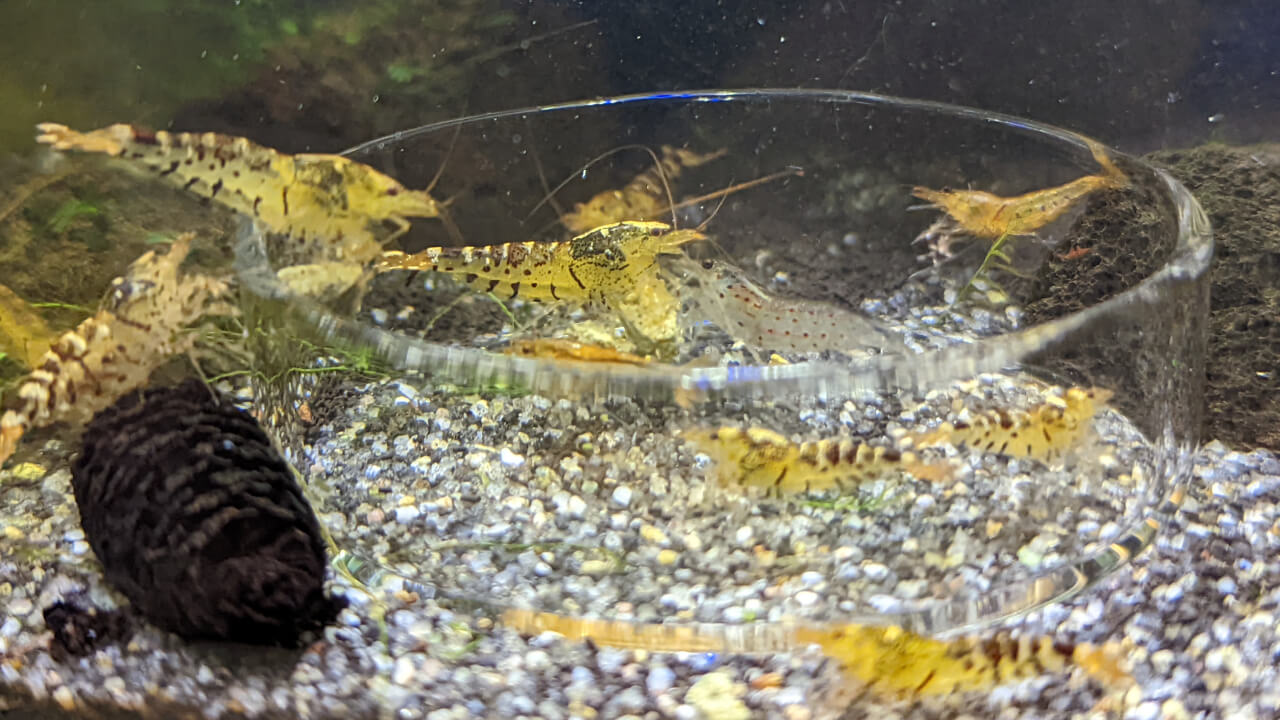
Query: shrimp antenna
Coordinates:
[550,194]
[448,153]
[726,192]
[451,228]
[542,175]
[703,225]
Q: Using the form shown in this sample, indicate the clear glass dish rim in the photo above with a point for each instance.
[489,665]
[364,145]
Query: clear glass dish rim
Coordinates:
[567,378]
[1192,256]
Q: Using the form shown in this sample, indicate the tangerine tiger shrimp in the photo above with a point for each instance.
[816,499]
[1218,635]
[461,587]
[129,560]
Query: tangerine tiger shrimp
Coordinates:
[723,295]
[1047,432]
[329,206]
[757,457]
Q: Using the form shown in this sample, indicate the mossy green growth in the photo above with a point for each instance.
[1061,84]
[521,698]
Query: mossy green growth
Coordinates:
[863,503]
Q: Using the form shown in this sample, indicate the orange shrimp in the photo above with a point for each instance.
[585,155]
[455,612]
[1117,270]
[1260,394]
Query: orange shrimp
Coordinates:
[562,349]
[988,216]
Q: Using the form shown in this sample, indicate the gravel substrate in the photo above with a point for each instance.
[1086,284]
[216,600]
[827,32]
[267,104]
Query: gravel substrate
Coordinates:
[604,511]
[1199,606]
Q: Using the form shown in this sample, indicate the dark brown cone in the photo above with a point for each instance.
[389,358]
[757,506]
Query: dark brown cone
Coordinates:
[199,521]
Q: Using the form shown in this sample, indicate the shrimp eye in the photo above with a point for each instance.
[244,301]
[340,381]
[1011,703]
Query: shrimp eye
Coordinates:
[706,264]
[654,232]
[393,191]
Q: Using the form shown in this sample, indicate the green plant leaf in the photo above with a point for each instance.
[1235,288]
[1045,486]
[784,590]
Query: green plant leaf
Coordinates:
[67,213]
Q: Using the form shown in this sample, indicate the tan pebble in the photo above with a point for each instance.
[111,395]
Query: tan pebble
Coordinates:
[595,567]
[668,557]
[104,662]
[65,698]
[13,533]
[1173,709]
[767,680]
[994,528]
[654,535]
[717,695]
[764,555]
[407,597]
[797,712]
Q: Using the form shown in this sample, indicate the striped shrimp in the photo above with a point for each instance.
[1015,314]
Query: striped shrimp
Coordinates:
[147,320]
[644,198]
[891,662]
[986,216]
[760,458]
[888,663]
[329,205]
[1046,432]
[603,265]
[722,294]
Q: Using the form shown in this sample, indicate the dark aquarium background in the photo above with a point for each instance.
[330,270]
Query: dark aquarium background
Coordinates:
[326,74]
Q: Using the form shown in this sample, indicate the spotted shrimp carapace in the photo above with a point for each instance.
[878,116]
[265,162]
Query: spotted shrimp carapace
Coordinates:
[722,295]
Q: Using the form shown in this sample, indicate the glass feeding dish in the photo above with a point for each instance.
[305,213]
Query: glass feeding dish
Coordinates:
[750,356]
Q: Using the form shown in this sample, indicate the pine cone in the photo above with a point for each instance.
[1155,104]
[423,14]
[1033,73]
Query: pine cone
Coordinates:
[199,521]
